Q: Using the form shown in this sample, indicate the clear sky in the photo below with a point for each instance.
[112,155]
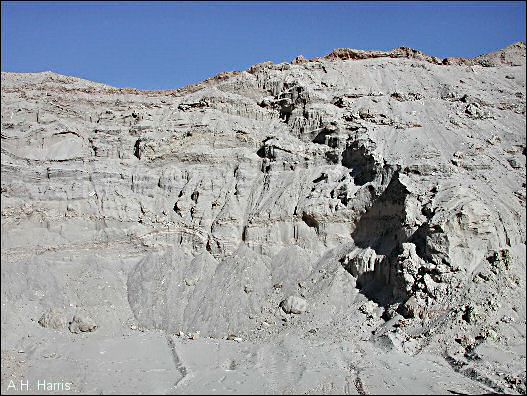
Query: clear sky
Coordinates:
[163,45]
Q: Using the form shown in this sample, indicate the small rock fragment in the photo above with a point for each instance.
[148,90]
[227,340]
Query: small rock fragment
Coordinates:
[53,319]
[430,284]
[82,324]
[485,276]
[294,304]
[190,282]
[412,308]
[515,163]
[368,308]
[466,341]
[389,312]
[471,313]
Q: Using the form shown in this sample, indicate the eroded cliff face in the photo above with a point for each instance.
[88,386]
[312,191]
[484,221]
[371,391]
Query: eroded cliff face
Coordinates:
[389,177]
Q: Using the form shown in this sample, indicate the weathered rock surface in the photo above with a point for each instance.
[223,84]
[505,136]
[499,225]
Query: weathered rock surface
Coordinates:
[361,181]
[53,319]
[294,305]
[81,323]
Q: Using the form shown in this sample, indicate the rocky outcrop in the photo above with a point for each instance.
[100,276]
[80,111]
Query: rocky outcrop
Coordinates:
[511,56]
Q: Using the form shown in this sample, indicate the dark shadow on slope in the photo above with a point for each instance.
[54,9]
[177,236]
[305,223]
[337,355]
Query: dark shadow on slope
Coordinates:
[381,227]
[363,166]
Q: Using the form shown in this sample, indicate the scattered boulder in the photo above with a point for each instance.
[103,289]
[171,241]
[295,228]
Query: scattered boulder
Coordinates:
[368,308]
[300,59]
[466,341]
[471,313]
[406,97]
[474,110]
[412,308]
[294,305]
[515,163]
[431,285]
[82,324]
[499,260]
[407,266]
[248,289]
[191,281]
[53,319]
[389,312]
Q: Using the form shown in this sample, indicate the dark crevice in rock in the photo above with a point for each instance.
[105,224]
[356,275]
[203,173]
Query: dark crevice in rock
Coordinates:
[419,240]
[322,177]
[374,289]
[262,152]
[244,233]
[332,157]
[382,226]
[341,193]
[363,166]
[195,196]
[310,221]
[321,137]
[380,233]
[176,209]
[137,149]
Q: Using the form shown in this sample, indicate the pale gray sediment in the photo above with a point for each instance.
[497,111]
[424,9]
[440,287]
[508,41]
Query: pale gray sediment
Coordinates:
[347,224]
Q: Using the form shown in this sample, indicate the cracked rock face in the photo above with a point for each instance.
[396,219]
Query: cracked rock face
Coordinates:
[392,178]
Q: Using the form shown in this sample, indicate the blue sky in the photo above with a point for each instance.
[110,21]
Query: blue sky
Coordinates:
[163,45]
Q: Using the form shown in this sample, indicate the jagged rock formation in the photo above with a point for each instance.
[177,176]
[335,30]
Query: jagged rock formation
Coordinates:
[394,178]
